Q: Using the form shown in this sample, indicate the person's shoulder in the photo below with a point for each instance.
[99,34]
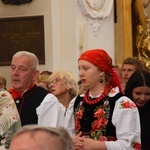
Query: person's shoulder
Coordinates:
[50,98]
[117,95]
[4,91]
[78,100]
[39,90]
[37,93]
[5,94]
[79,97]
[125,102]
[114,92]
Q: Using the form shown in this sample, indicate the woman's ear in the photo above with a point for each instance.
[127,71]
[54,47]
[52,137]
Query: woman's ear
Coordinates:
[101,74]
[68,88]
[101,80]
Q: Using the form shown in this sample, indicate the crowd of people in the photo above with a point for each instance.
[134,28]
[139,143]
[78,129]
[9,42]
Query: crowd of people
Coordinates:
[108,108]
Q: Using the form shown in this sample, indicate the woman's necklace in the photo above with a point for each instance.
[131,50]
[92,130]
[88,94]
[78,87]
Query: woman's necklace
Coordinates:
[97,100]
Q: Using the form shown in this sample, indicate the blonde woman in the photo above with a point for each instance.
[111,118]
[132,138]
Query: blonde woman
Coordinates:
[64,86]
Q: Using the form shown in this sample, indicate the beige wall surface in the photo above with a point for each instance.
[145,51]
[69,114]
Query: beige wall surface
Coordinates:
[34,8]
[63,22]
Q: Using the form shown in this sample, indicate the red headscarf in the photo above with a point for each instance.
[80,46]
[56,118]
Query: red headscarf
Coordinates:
[103,61]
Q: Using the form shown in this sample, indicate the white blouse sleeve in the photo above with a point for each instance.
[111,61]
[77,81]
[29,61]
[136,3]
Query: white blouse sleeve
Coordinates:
[126,120]
[48,111]
[69,118]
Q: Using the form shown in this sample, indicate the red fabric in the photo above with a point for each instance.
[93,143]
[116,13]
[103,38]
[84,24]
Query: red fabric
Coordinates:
[99,58]
[15,94]
[103,61]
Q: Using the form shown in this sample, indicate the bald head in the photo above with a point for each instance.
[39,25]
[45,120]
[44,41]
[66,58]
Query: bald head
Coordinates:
[39,138]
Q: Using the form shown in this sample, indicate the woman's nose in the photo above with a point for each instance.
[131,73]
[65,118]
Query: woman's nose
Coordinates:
[142,97]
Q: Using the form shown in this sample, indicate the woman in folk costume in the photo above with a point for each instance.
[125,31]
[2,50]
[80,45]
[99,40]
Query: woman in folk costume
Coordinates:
[105,119]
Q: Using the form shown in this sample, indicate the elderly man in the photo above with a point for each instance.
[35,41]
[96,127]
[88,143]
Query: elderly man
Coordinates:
[34,137]
[27,95]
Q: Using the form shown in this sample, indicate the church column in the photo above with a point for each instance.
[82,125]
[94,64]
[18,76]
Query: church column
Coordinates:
[123,31]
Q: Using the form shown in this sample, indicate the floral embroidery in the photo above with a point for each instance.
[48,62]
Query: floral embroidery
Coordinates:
[99,113]
[127,104]
[78,115]
[3,95]
[101,120]
[99,123]
[13,118]
[98,126]
[95,124]
[136,145]
[112,91]
[6,108]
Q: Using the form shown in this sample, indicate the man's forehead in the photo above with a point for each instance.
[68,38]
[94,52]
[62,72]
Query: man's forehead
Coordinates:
[128,66]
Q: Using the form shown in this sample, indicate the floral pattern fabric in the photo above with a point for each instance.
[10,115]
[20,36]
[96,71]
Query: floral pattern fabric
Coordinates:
[98,126]
[123,116]
[9,119]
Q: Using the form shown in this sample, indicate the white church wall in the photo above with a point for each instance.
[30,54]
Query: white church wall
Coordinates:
[64,24]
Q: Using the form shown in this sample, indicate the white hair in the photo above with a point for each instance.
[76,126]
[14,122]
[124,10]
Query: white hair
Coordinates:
[33,58]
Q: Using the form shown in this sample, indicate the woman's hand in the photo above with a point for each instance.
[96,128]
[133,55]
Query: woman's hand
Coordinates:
[78,141]
[90,144]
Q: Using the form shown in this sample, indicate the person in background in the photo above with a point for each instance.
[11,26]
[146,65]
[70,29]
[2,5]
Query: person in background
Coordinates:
[27,95]
[79,84]
[9,117]
[129,65]
[41,138]
[46,72]
[138,89]
[103,115]
[82,88]
[43,79]
[64,86]
[117,68]
[2,82]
